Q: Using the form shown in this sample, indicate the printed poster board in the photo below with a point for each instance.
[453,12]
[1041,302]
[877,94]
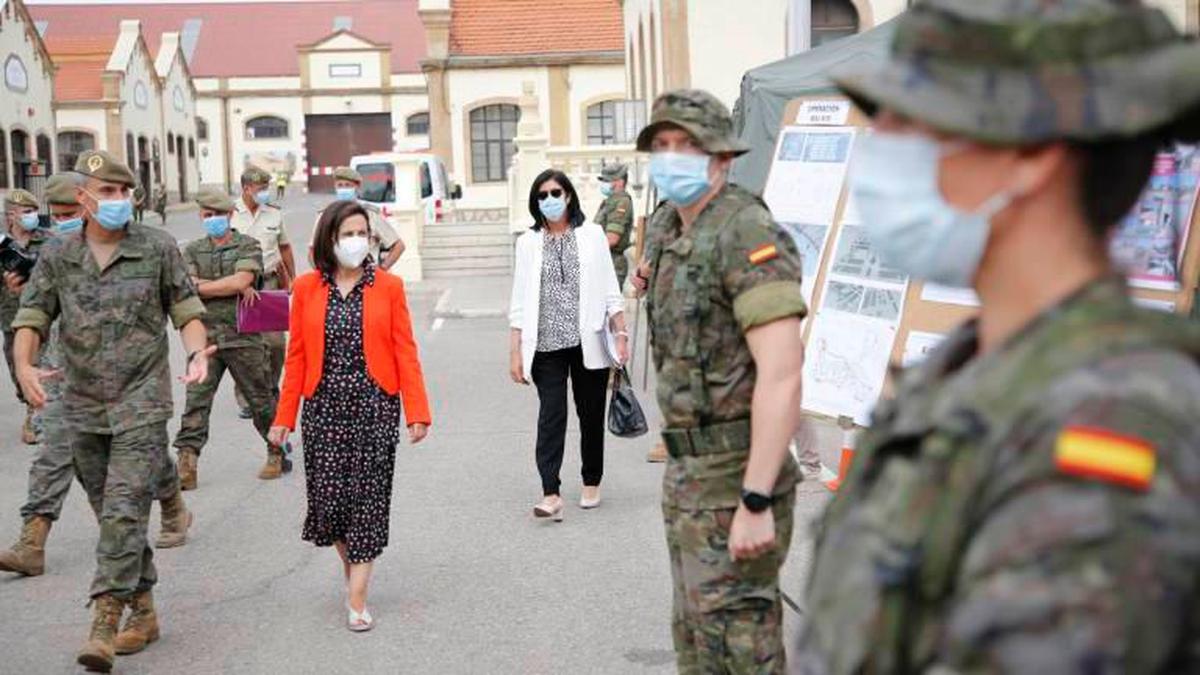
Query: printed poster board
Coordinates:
[864,318]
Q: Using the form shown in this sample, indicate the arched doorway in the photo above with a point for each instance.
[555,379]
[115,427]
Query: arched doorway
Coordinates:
[181,164]
[71,144]
[20,158]
[833,20]
[143,166]
[45,151]
[3,160]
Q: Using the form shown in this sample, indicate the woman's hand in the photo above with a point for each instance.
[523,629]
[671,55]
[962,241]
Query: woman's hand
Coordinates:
[249,296]
[516,367]
[278,436]
[623,349]
[417,433]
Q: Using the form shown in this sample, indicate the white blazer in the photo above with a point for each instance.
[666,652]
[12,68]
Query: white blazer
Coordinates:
[599,294]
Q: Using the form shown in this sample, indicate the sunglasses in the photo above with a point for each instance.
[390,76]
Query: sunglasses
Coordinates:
[546,194]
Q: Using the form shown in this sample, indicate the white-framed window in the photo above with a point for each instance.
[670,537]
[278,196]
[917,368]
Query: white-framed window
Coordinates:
[493,128]
[266,126]
[615,122]
[72,144]
[417,124]
[345,70]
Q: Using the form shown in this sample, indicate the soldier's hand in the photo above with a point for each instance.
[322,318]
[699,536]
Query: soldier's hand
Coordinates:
[751,534]
[13,282]
[30,379]
[417,433]
[278,436]
[640,279]
[197,366]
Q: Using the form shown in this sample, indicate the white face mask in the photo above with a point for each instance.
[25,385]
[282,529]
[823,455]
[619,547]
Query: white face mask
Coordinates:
[351,251]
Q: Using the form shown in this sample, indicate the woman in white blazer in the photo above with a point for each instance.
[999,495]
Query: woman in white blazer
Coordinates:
[565,298]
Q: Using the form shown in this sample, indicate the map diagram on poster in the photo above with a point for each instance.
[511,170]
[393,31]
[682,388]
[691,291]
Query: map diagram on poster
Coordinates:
[1148,244]
[811,241]
[854,330]
[806,177]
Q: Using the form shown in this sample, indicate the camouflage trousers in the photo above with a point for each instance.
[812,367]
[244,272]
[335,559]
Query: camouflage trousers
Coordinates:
[250,368]
[53,466]
[10,338]
[123,474]
[727,616]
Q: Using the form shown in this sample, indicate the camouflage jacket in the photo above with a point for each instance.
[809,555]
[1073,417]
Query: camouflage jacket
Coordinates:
[733,270]
[113,325]
[616,217]
[1032,510]
[9,301]
[208,262]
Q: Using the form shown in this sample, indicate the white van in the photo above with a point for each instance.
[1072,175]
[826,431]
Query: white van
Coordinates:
[432,190]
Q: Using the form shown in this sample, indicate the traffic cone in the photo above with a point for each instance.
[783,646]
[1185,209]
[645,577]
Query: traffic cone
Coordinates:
[848,437]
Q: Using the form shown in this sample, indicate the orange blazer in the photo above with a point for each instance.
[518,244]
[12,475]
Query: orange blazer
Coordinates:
[388,344]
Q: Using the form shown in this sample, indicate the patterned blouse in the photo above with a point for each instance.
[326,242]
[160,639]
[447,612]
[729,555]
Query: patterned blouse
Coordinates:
[558,315]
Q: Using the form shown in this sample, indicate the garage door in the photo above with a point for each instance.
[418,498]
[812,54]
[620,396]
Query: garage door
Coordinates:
[332,140]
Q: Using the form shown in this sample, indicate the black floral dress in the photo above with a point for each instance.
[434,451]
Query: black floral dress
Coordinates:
[350,428]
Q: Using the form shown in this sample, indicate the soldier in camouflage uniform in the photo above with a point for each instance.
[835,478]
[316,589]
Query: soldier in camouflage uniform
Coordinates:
[1029,502]
[23,226]
[225,265]
[113,289]
[616,215]
[724,305]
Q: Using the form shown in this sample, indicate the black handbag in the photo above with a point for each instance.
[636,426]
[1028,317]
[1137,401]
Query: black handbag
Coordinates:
[625,416]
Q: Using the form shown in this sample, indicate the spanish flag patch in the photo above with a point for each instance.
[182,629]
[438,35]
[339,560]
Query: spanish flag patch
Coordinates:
[1090,452]
[764,253]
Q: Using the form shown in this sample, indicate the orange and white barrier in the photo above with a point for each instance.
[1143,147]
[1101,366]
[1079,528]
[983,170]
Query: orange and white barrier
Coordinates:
[849,437]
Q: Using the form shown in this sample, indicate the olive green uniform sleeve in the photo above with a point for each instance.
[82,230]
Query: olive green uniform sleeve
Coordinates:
[179,294]
[1070,572]
[620,216]
[39,300]
[760,270]
[249,256]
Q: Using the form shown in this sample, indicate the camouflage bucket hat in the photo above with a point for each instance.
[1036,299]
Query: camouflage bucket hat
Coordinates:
[60,189]
[1030,71]
[700,114]
[214,200]
[346,173]
[21,198]
[102,165]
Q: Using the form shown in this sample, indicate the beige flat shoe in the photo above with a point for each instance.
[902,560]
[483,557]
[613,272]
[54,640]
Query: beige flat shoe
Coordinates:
[590,498]
[359,622]
[549,508]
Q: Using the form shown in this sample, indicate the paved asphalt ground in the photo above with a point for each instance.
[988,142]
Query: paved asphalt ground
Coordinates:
[470,582]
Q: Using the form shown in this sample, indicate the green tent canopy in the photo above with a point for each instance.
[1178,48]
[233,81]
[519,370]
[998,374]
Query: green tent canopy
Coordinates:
[766,91]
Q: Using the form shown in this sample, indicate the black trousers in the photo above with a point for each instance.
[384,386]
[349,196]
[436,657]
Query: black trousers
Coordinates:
[590,388]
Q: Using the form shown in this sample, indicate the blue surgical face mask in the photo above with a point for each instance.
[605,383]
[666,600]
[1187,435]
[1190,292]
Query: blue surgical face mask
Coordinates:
[68,226]
[30,221]
[113,214]
[553,208]
[216,226]
[606,189]
[346,193]
[681,178]
[894,180]
[262,197]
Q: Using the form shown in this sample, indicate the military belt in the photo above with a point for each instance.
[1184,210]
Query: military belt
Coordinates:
[708,440]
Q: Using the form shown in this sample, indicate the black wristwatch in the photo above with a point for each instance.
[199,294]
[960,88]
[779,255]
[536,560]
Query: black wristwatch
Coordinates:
[756,502]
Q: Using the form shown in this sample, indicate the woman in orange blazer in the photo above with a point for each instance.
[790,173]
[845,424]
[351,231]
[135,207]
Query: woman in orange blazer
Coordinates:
[352,356]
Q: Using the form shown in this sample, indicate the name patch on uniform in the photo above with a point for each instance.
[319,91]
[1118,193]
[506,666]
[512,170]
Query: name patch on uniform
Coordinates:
[764,253]
[1090,452]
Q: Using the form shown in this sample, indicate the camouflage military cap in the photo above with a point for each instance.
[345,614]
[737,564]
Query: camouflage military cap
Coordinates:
[214,200]
[611,172]
[1030,71]
[60,189]
[697,112]
[20,198]
[346,173]
[254,175]
[102,165]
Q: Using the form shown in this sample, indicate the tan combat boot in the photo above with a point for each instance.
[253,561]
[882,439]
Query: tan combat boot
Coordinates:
[187,465]
[176,519]
[29,435]
[274,467]
[658,453]
[28,555]
[141,628]
[100,652]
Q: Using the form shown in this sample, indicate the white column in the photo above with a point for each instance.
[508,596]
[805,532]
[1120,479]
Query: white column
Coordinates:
[799,26]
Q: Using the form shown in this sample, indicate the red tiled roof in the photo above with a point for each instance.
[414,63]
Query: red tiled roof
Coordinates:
[81,62]
[523,27]
[253,38]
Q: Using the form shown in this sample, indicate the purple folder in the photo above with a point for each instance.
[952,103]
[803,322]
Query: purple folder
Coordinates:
[268,315]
